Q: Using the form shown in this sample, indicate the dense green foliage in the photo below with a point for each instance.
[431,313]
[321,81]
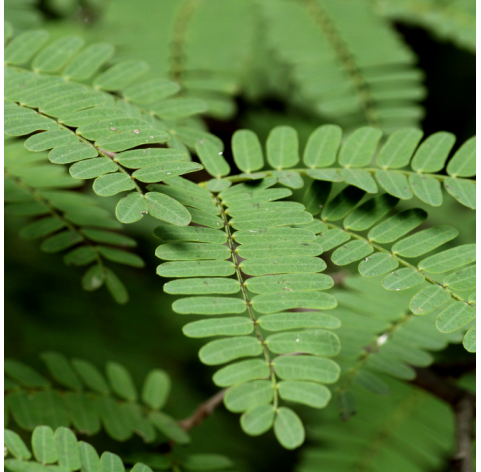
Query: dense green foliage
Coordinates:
[325,253]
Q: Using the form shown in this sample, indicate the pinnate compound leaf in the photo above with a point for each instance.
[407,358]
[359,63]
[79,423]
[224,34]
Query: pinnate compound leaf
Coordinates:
[307,393]
[469,340]
[282,147]
[402,279]
[258,420]
[463,163]
[455,316]
[156,389]
[226,350]
[167,209]
[399,148]
[449,259]
[288,428]
[358,149]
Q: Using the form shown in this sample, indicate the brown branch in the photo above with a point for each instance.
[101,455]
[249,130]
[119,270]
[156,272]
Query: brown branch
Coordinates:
[204,411]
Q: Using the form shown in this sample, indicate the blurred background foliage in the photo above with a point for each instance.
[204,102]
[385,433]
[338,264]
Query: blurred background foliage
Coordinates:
[45,308]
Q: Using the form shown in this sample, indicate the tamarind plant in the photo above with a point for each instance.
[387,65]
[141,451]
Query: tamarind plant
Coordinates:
[317,262]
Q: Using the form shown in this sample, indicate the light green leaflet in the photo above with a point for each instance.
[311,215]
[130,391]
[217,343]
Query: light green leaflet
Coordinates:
[196,269]
[88,61]
[258,420]
[469,340]
[179,108]
[235,326]
[202,286]
[210,156]
[330,175]
[282,147]
[433,152]
[428,299]
[331,238]
[167,209]
[264,207]
[282,265]
[131,208]
[226,350]
[322,146]
[342,204]
[129,139]
[241,372]
[247,151]
[402,279]
[24,46]
[57,54]
[265,235]
[50,139]
[121,381]
[43,444]
[71,153]
[275,302]
[151,91]
[168,426]
[351,252]
[106,128]
[455,316]
[111,184]
[311,368]
[285,321]
[290,282]
[205,219]
[318,342]
[358,149]
[306,393]
[463,163]
[91,376]
[91,168]
[160,172]
[365,215]
[395,184]
[462,190]
[111,463]
[209,306]
[359,178]
[120,75]
[139,158]
[73,102]
[397,226]
[288,428]
[278,248]
[267,219]
[462,280]
[289,178]
[399,148]
[121,257]
[17,447]
[190,233]
[377,264]
[206,204]
[424,241]
[92,115]
[67,449]
[449,259]
[426,188]
[247,198]
[217,185]
[249,395]
[28,124]
[192,251]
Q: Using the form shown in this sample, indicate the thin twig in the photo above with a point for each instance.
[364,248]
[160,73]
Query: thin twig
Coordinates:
[204,411]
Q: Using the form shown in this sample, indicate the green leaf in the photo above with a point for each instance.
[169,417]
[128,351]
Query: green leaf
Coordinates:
[121,257]
[258,208]
[322,145]
[72,102]
[247,151]
[108,237]
[196,269]
[282,147]
[358,149]
[449,260]
[61,370]
[167,209]
[241,372]
[151,91]
[60,241]
[226,350]
[121,381]
[88,458]
[288,428]
[377,264]
[25,409]
[247,198]
[91,168]
[16,446]
[210,156]
[397,226]
[428,299]
[333,237]
[93,278]
[168,426]
[141,468]
[82,413]
[206,462]
[24,374]
[330,175]
[138,158]
[282,265]
[365,215]
[179,108]
[217,185]
[72,153]
[50,139]
[192,251]
[165,171]
[118,424]
[202,286]
[52,408]
[317,342]
[67,449]
[306,393]
[91,376]
[371,382]
[351,252]
[315,196]
[24,46]
[462,280]
[131,208]
[289,178]
[469,341]
[111,463]
[346,404]
[27,209]
[399,148]
[280,283]
[395,184]
[278,248]
[209,305]
[433,152]
[129,139]
[156,389]
[263,219]
[275,302]
[258,420]
[426,188]
[88,61]
[249,395]
[402,279]
[342,204]
[455,316]
[311,368]
[28,124]
[200,202]
[57,54]
[265,235]
[7,31]
[463,163]
[190,233]
[464,191]
[234,326]
[92,115]
[359,178]
[120,75]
